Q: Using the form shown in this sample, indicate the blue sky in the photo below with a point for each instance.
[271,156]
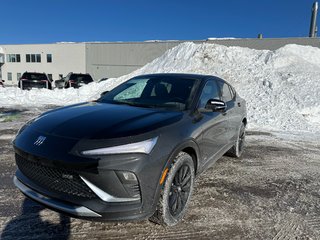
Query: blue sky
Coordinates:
[47,21]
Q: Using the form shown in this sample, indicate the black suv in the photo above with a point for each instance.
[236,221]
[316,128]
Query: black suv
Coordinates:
[135,152]
[74,80]
[30,80]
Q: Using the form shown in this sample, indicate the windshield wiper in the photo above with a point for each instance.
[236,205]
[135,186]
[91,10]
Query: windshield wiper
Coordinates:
[135,104]
[143,105]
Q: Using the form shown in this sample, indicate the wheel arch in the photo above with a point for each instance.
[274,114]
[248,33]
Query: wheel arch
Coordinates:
[192,152]
[190,147]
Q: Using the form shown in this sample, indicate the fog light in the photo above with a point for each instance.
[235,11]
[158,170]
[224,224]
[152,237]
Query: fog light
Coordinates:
[128,176]
[130,183]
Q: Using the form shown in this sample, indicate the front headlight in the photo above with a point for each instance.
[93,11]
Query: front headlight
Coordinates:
[139,147]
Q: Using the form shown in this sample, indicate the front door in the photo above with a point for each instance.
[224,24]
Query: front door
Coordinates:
[214,124]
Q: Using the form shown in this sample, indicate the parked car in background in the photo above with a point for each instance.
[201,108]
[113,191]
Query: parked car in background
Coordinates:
[30,80]
[60,83]
[1,83]
[74,80]
[135,152]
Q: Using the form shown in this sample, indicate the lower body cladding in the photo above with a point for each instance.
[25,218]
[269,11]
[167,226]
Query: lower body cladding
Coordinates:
[120,187]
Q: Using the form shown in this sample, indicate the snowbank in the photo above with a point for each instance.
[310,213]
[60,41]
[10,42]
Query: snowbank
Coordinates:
[282,87]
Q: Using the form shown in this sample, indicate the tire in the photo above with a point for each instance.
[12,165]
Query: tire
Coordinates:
[237,149]
[174,198]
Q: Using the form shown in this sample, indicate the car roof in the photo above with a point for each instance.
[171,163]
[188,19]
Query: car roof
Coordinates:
[71,73]
[182,75]
[35,72]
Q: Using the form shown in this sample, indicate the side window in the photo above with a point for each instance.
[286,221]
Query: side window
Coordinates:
[161,89]
[49,58]
[225,91]
[209,91]
[9,76]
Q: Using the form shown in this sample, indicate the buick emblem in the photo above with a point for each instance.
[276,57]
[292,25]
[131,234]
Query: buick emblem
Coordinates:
[39,140]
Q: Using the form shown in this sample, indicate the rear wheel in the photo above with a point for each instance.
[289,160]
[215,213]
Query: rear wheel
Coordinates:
[237,149]
[176,192]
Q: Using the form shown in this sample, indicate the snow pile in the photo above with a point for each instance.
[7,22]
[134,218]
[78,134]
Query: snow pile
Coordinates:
[14,97]
[282,87]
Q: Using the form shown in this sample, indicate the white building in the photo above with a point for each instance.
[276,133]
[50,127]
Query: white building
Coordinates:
[54,59]
[57,60]
[106,59]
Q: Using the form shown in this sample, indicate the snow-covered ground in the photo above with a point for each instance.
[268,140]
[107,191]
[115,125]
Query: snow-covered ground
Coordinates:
[282,87]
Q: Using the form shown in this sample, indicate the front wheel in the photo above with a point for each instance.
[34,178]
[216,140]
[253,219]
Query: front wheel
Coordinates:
[176,192]
[237,148]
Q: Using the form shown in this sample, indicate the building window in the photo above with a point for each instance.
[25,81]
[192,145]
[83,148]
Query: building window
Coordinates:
[9,76]
[49,58]
[33,57]
[50,76]
[13,57]
[18,76]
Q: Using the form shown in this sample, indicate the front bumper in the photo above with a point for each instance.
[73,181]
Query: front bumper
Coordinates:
[80,211]
[75,200]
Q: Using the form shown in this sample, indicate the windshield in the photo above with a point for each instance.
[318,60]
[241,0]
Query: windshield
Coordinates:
[34,76]
[169,92]
[81,78]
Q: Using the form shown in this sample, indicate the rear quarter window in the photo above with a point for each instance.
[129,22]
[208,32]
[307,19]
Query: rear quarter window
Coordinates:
[232,91]
[225,91]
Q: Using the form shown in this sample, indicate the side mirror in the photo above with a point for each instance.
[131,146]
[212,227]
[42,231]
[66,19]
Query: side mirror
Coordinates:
[216,105]
[104,93]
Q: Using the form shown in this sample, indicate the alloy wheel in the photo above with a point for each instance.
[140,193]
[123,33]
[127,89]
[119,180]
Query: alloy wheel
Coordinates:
[180,190]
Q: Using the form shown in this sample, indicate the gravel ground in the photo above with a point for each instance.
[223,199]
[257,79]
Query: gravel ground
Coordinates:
[272,192]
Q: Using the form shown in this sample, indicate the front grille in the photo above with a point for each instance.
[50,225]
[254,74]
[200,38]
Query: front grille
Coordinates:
[54,179]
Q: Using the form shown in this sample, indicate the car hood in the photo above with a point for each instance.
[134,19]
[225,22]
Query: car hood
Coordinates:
[95,120]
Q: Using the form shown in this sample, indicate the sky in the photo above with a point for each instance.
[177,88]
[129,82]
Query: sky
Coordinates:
[49,21]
